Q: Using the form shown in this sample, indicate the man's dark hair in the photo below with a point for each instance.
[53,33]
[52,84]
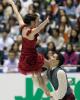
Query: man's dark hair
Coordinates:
[61,59]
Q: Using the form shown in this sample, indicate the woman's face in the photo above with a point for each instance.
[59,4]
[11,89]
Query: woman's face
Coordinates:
[33,25]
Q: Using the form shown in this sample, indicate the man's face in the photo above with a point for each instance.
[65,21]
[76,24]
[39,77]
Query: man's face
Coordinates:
[54,61]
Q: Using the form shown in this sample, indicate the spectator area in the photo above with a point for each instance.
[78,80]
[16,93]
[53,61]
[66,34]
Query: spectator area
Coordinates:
[63,29]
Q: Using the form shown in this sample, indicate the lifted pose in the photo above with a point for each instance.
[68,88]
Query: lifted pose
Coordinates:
[31,61]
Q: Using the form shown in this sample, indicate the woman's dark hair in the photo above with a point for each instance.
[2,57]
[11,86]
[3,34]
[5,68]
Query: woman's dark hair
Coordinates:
[29,18]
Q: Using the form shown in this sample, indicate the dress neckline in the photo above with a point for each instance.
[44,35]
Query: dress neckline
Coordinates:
[27,39]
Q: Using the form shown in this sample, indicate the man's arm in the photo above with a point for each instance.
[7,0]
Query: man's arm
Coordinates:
[62,89]
[18,16]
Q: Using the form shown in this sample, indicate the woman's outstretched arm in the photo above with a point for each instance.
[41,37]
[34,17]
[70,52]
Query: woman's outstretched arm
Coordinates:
[18,16]
[41,26]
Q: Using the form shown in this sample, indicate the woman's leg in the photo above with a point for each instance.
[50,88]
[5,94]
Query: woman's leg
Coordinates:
[42,84]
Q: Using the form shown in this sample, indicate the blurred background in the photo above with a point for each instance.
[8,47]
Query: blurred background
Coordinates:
[62,34]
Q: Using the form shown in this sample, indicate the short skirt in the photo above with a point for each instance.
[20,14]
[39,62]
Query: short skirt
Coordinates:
[31,63]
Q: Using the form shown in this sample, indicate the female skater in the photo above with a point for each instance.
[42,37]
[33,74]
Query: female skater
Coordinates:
[30,61]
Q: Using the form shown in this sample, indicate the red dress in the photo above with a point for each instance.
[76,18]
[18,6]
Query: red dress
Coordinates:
[30,61]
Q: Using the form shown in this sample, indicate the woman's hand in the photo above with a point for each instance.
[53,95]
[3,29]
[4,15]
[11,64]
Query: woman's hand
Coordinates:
[18,16]
[53,62]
